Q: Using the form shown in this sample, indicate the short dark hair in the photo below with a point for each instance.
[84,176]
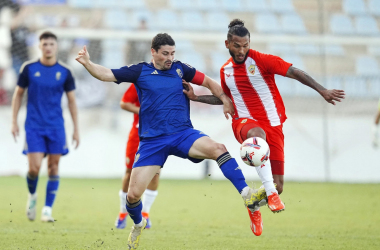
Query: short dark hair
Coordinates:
[162,39]
[236,27]
[48,34]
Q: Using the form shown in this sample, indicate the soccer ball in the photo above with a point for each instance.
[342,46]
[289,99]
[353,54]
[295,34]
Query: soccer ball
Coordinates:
[254,151]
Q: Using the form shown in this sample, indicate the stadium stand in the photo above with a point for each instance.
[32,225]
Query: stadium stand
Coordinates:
[267,23]
[366,26]
[341,24]
[354,7]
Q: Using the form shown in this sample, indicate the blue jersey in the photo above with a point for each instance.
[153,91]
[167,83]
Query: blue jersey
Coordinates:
[46,85]
[165,109]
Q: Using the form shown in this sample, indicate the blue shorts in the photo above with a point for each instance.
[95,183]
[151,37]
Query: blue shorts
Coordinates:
[48,141]
[155,151]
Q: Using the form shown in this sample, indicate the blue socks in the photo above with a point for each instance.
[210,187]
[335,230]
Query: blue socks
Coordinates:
[32,183]
[134,210]
[51,190]
[232,171]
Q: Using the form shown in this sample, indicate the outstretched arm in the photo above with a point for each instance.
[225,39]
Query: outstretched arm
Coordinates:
[330,95]
[99,72]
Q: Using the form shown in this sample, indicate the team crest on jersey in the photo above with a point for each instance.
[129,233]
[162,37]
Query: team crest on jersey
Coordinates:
[58,76]
[179,72]
[251,69]
[244,121]
[37,74]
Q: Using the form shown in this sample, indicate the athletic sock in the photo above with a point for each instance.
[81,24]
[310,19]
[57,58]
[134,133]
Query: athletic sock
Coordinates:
[265,174]
[123,202]
[232,171]
[32,183]
[134,210]
[51,190]
[148,198]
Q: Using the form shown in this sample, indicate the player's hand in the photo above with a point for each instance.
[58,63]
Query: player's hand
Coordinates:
[83,56]
[76,139]
[332,95]
[228,108]
[15,131]
[188,90]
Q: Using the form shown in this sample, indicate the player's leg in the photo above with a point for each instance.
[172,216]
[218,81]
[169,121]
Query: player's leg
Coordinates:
[140,178]
[51,187]
[35,161]
[149,197]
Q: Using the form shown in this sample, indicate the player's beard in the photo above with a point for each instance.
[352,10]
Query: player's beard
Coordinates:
[236,61]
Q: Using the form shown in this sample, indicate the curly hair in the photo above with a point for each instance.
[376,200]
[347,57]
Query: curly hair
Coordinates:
[162,39]
[236,27]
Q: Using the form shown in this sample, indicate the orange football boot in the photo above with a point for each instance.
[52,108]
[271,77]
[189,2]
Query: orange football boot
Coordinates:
[256,222]
[275,204]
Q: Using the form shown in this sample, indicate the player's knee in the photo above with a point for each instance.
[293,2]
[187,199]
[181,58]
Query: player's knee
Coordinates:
[218,149]
[256,132]
[33,172]
[133,197]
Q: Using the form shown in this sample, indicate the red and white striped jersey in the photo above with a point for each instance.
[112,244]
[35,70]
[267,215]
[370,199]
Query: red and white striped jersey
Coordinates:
[252,88]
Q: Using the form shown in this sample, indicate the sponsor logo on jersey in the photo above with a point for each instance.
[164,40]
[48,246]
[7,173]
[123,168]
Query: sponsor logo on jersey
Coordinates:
[179,72]
[58,75]
[244,121]
[37,74]
[154,72]
[228,74]
[251,69]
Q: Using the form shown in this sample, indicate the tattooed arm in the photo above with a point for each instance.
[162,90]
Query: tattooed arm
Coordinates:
[208,99]
[330,95]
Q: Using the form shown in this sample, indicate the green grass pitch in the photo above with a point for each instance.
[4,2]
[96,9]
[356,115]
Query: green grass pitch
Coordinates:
[205,214]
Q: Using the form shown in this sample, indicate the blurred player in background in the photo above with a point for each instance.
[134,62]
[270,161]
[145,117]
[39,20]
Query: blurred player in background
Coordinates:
[248,79]
[375,128]
[165,127]
[130,102]
[46,80]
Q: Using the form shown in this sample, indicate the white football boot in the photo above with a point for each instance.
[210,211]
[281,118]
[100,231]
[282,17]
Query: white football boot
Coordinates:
[46,214]
[31,206]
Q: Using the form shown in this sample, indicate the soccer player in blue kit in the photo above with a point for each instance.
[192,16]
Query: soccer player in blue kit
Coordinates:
[45,79]
[165,127]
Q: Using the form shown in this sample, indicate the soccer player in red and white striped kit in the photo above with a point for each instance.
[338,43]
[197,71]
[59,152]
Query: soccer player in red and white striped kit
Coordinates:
[247,78]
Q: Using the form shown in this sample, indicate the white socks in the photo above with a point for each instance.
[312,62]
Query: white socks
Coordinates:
[265,174]
[123,201]
[148,198]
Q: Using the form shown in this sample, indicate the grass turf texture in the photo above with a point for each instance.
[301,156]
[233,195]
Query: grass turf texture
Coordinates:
[203,214]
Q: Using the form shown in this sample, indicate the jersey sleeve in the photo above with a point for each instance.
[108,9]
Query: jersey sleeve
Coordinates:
[23,78]
[69,83]
[128,73]
[226,90]
[273,64]
[192,75]
[130,96]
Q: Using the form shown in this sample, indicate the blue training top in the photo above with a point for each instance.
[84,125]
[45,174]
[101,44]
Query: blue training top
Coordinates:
[165,109]
[46,85]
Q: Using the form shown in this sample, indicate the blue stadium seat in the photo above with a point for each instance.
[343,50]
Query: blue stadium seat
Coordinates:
[366,65]
[334,50]
[105,4]
[354,7]
[183,46]
[295,60]
[333,82]
[81,3]
[282,6]
[232,6]
[218,58]
[341,25]
[374,87]
[194,59]
[374,7]
[355,86]
[374,50]
[258,6]
[132,4]
[366,25]
[207,5]
[307,49]
[267,23]
[281,48]
[293,24]
[166,20]
[181,4]
[138,16]
[116,19]
[192,20]
[217,21]
[285,85]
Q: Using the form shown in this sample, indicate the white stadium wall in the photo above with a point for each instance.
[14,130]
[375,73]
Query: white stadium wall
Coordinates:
[104,133]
